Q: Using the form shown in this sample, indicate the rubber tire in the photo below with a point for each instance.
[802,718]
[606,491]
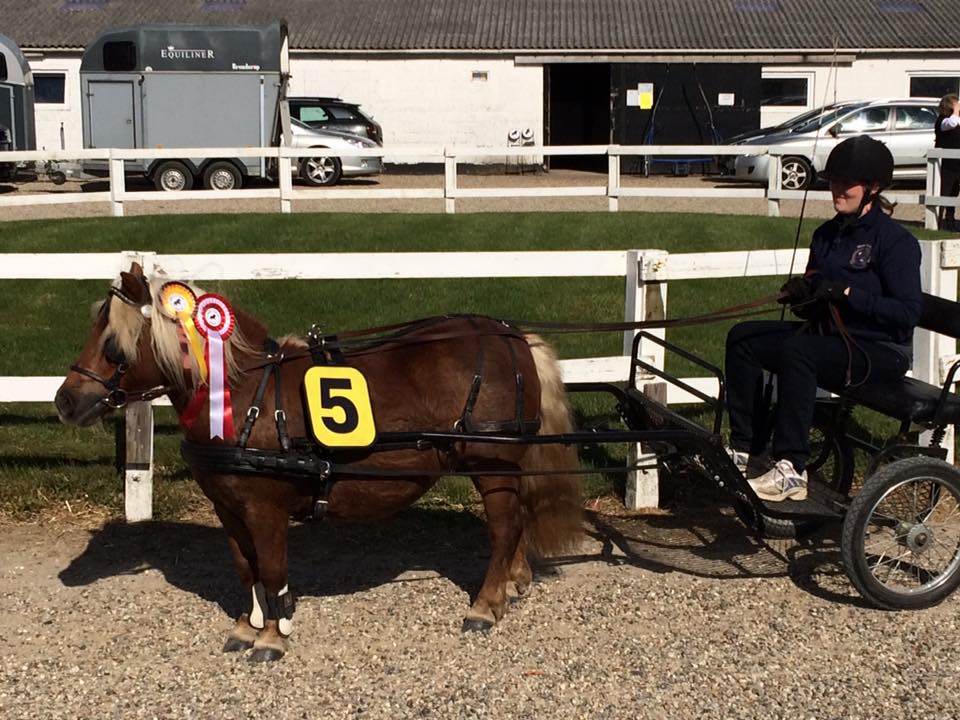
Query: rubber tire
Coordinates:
[220,166]
[332,179]
[796,173]
[172,166]
[851,544]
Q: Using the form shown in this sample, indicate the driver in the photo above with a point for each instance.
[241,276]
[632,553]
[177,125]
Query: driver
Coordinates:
[859,301]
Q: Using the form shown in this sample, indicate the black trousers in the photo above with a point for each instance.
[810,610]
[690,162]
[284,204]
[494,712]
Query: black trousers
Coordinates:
[802,363]
[949,187]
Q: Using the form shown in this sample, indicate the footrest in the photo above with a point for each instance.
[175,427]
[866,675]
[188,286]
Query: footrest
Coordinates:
[821,502]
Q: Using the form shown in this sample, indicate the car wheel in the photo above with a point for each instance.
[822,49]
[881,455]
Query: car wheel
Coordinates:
[222,175]
[172,176]
[795,173]
[321,170]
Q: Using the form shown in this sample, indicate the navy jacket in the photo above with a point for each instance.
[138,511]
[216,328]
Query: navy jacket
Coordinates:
[880,262]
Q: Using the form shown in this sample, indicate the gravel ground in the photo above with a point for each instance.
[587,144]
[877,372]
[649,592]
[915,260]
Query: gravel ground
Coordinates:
[562,178]
[671,615]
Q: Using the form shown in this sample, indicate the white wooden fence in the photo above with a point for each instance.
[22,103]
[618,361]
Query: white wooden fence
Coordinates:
[646,274]
[285,193]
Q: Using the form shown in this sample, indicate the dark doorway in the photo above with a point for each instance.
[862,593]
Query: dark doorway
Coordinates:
[578,111]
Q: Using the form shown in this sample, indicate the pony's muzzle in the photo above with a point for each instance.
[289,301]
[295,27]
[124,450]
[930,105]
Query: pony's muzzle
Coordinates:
[76,408]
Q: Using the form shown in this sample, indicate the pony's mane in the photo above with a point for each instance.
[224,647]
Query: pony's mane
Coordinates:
[125,324]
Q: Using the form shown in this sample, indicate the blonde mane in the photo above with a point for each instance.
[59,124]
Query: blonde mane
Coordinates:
[125,324]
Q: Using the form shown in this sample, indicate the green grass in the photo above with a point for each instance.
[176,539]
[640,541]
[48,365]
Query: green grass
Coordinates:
[44,464]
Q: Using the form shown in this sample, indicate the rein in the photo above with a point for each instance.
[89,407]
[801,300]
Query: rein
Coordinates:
[359,342]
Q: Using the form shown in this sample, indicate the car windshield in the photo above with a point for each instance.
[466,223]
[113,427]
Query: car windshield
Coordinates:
[826,117]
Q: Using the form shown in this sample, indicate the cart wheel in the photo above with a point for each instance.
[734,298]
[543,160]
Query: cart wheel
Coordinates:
[831,463]
[777,529]
[901,535]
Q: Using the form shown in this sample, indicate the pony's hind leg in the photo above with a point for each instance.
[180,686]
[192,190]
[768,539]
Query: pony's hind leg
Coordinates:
[501,501]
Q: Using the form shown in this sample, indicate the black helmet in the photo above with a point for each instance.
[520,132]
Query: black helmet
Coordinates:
[860,159]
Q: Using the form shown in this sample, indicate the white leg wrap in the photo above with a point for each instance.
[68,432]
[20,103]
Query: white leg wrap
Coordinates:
[256,612]
[284,625]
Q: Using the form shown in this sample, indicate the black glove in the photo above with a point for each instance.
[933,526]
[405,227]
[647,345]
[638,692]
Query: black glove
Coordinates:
[798,289]
[831,290]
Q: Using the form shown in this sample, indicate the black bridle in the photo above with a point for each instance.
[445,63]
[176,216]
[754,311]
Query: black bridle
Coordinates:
[118,397]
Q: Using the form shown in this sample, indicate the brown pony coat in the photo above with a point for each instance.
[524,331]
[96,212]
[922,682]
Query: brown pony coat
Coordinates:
[418,386]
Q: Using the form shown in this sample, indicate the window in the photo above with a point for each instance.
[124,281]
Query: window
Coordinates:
[914,118]
[49,88]
[119,56]
[313,114]
[868,120]
[343,113]
[934,85]
[784,91]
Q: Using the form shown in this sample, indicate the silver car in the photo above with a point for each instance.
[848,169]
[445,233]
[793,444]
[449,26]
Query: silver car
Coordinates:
[327,169]
[906,126]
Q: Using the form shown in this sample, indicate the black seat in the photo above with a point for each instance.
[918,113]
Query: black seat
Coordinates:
[908,398]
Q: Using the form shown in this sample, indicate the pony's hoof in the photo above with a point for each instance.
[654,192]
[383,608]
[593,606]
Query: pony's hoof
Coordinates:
[237,645]
[265,655]
[476,625]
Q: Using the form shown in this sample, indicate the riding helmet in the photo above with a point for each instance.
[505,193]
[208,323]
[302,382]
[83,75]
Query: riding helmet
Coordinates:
[860,159]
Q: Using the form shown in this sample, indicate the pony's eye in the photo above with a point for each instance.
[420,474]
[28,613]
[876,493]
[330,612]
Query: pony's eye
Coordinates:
[112,353]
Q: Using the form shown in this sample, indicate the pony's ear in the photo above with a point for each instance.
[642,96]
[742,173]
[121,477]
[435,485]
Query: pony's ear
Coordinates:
[134,285]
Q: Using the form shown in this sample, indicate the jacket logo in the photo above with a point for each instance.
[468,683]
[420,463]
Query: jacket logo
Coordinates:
[861,257]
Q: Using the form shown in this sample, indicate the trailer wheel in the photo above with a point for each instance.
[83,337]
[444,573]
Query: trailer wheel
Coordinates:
[172,176]
[901,535]
[321,170]
[222,175]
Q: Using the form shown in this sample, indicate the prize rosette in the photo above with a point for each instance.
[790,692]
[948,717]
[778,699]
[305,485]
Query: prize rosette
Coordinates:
[215,321]
[178,302]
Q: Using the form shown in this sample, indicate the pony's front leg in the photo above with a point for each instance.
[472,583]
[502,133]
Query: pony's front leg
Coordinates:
[501,502]
[248,625]
[272,595]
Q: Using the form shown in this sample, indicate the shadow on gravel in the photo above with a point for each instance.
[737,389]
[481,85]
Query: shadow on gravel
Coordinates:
[326,558]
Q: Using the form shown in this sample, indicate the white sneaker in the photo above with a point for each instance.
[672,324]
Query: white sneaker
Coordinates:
[740,459]
[782,482]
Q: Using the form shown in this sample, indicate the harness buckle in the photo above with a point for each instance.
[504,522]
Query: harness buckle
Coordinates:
[116,398]
[253,413]
[319,509]
[280,416]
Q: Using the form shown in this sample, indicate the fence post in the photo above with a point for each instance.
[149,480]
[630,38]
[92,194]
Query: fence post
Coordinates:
[928,347]
[138,433]
[118,184]
[613,181]
[285,170]
[646,299]
[773,185]
[449,181]
[931,212]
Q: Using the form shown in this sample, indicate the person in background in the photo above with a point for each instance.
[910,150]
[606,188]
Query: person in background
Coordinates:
[947,135]
[859,299]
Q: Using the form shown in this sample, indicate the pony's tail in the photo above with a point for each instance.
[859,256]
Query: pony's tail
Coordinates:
[552,509]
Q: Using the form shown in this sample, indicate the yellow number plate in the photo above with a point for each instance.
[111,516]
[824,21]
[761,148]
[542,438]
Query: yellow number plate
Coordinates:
[339,405]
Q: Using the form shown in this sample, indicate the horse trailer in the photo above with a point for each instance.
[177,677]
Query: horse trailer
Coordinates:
[186,86]
[17,128]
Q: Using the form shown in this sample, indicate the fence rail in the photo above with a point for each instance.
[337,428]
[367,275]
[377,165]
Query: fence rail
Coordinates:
[451,157]
[646,274]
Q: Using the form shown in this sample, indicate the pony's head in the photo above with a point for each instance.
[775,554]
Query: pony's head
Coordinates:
[133,352]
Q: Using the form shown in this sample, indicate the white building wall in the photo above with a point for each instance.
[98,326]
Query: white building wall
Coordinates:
[861,80]
[437,101]
[50,118]
[431,101]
